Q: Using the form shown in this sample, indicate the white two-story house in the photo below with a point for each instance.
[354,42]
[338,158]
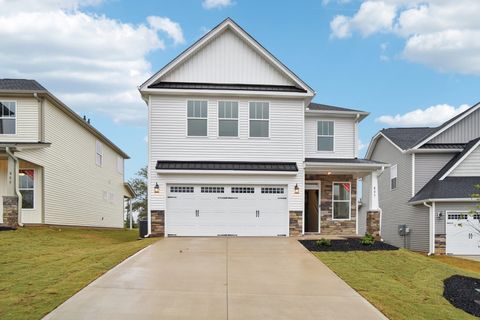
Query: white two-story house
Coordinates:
[236,146]
[55,167]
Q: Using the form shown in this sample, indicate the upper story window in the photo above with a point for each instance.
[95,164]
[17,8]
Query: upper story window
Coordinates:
[393,177]
[259,119]
[26,186]
[8,117]
[197,118]
[325,135]
[98,153]
[120,165]
[228,119]
[342,194]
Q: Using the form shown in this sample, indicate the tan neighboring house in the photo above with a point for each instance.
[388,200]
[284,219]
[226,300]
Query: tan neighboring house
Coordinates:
[55,167]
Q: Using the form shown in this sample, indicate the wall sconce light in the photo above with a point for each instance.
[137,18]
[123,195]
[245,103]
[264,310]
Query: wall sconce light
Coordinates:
[156,189]
[296,189]
[439,214]
[329,172]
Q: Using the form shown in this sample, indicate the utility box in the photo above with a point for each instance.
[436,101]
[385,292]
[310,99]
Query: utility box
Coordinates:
[403,230]
[142,228]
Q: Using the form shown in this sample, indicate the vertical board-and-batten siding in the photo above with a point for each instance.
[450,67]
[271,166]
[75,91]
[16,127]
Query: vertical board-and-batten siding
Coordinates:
[344,137]
[74,184]
[227,59]
[470,166]
[427,165]
[168,141]
[394,203]
[464,131]
[26,120]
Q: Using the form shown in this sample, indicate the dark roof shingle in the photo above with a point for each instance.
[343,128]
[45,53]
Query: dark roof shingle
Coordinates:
[406,138]
[20,84]
[325,107]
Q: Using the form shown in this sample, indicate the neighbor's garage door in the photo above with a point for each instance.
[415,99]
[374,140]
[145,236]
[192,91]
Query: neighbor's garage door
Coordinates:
[212,210]
[463,233]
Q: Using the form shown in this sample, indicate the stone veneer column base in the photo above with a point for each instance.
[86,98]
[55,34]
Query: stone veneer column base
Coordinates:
[373,223]
[10,211]
[440,244]
[158,223]
[296,223]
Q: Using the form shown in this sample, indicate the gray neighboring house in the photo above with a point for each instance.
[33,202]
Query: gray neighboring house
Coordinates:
[429,185]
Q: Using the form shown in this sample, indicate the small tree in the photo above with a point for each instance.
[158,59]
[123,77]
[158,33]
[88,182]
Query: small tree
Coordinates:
[139,185]
[474,211]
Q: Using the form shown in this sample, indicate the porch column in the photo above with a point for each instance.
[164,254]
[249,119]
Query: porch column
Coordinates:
[373,200]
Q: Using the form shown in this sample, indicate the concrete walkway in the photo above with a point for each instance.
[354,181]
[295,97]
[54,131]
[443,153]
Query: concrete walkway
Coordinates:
[219,278]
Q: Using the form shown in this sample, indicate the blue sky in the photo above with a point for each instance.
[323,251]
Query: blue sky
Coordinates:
[387,57]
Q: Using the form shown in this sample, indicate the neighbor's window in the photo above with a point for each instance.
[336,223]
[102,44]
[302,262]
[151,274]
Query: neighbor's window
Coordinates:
[120,165]
[259,119]
[228,119]
[325,135]
[393,177]
[341,200]
[27,188]
[197,115]
[7,117]
[98,153]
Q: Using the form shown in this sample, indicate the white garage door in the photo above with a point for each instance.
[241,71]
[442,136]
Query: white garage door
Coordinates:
[213,210]
[463,233]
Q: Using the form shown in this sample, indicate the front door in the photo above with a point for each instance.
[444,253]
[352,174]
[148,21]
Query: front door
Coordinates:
[312,212]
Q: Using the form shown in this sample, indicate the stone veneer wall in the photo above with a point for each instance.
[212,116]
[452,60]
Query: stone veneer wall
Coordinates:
[10,211]
[327,224]
[296,223]
[373,223]
[158,223]
[440,244]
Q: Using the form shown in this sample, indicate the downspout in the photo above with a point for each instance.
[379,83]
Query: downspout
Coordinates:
[431,249]
[17,190]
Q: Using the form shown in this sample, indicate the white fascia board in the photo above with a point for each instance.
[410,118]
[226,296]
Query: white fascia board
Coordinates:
[228,172]
[444,200]
[412,151]
[361,115]
[228,23]
[467,113]
[465,156]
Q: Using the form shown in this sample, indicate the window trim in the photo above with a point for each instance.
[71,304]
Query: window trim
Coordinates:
[237,118]
[16,113]
[269,118]
[317,135]
[98,142]
[396,177]
[188,118]
[349,201]
[34,188]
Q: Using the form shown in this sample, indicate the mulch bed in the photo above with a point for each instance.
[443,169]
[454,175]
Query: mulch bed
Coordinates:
[5,228]
[461,292]
[349,244]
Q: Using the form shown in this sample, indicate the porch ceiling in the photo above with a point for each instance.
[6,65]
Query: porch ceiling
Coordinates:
[357,167]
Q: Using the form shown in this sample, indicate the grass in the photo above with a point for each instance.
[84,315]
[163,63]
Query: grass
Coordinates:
[402,284]
[42,267]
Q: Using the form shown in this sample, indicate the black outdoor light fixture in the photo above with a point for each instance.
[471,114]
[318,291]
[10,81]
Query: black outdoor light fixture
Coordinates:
[156,189]
[297,189]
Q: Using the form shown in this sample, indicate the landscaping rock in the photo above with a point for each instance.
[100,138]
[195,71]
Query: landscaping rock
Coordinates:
[349,244]
[463,293]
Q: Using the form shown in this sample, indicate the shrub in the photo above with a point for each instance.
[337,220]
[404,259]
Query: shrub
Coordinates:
[367,240]
[323,242]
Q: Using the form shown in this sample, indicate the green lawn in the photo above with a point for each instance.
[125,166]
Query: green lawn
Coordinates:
[42,267]
[401,284]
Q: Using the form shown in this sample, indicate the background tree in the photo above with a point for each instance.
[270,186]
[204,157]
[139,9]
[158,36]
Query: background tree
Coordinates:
[139,185]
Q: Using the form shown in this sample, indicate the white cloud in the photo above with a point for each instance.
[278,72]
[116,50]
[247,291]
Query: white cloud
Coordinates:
[442,34]
[171,28]
[212,4]
[431,116]
[91,62]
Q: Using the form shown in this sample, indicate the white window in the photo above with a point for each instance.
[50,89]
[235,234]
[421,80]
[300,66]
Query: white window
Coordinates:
[259,119]
[98,153]
[120,165]
[341,205]
[27,188]
[8,117]
[393,177]
[228,119]
[197,118]
[325,135]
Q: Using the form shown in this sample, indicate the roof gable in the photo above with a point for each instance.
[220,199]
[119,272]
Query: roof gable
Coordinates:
[227,54]
[468,162]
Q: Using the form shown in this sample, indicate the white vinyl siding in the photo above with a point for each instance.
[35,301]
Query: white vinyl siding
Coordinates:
[228,119]
[427,166]
[197,118]
[26,120]
[8,117]
[325,135]
[344,137]
[393,177]
[228,59]
[259,116]
[119,165]
[98,153]
[469,167]
[341,201]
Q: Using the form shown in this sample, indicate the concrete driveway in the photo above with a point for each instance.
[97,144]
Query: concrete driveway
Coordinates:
[219,278]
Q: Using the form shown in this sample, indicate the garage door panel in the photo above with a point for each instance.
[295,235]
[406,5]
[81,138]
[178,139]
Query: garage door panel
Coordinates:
[462,233]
